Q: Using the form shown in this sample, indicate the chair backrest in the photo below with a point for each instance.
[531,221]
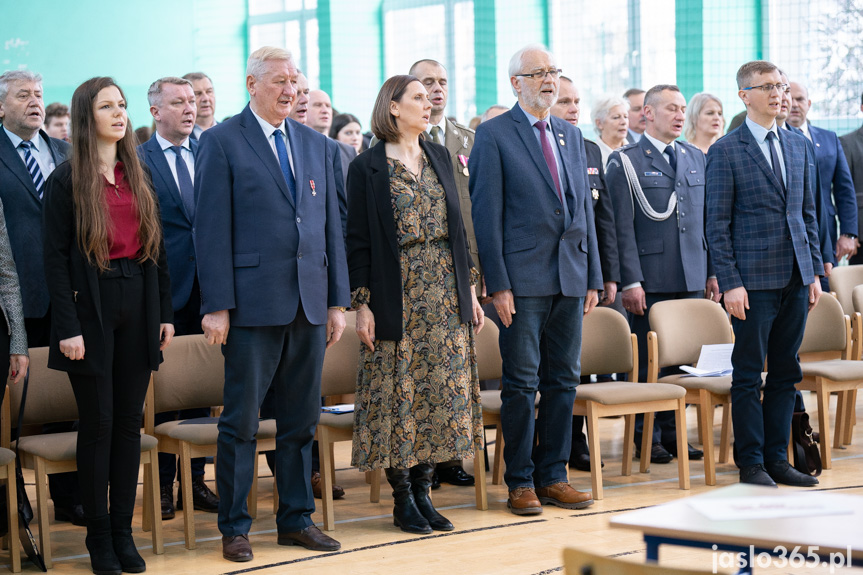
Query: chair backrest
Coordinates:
[341,361]
[682,326]
[192,375]
[843,280]
[579,562]
[488,358]
[49,394]
[857,299]
[826,327]
[606,343]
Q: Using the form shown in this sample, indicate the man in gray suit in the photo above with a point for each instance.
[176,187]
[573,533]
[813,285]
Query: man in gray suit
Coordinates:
[852,145]
[657,188]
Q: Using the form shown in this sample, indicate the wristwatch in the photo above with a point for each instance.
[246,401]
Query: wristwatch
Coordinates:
[341,308]
[852,236]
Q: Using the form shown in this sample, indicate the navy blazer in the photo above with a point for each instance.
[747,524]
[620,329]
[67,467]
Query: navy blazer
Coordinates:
[603,212]
[852,146]
[517,215]
[177,226]
[668,256]
[260,253]
[23,210]
[837,188]
[757,235]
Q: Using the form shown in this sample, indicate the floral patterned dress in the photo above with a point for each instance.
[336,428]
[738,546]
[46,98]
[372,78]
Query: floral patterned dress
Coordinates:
[418,398]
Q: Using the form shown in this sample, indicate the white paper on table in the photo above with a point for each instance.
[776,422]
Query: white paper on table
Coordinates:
[713,361]
[341,408]
[771,507]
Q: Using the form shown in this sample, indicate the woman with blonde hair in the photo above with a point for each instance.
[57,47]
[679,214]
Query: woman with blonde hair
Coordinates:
[704,122]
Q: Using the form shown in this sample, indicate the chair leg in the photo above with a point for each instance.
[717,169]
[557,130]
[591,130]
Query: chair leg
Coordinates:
[188,502]
[595,455]
[497,473]
[682,444]
[628,444]
[324,448]
[824,423]
[707,414]
[147,513]
[42,511]
[12,517]
[842,401]
[698,425]
[153,500]
[479,475]
[851,417]
[646,442]
[375,485]
[725,433]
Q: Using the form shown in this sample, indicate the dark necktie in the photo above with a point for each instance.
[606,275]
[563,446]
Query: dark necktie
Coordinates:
[32,166]
[184,180]
[549,156]
[435,134]
[774,158]
[285,164]
[672,157]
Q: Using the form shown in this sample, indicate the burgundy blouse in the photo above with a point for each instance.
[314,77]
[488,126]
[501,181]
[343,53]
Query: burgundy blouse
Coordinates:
[122,215]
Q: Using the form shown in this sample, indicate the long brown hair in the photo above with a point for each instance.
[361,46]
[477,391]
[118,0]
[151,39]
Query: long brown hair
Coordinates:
[88,190]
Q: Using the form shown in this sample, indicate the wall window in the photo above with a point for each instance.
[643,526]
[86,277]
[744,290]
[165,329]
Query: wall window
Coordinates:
[289,24]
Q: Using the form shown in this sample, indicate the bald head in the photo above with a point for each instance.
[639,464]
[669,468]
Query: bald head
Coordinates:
[320,112]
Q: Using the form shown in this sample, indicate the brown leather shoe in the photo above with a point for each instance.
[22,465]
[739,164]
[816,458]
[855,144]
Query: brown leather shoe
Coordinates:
[523,501]
[317,483]
[311,538]
[237,548]
[563,495]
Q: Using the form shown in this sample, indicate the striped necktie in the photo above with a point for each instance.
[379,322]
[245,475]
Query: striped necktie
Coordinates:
[32,166]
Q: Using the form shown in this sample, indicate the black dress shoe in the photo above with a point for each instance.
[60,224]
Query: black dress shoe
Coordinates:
[73,515]
[694,454]
[311,538]
[581,461]
[166,493]
[202,498]
[658,454]
[237,548]
[755,475]
[782,472]
[455,475]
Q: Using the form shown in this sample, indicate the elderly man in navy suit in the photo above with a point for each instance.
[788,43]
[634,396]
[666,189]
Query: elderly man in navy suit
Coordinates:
[272,269]
[660,232]
[533,217]
[762,232]
[170,155]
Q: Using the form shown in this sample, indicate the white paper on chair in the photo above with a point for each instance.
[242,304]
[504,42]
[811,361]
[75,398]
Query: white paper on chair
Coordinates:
[714,361]
[771,507]
[342,408]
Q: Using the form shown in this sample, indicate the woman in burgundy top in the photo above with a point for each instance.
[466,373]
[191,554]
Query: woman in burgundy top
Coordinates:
[111,311]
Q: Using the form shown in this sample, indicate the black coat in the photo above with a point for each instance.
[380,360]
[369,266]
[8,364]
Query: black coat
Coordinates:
[373,252]
[73,285]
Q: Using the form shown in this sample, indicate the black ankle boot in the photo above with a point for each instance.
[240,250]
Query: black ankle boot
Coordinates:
[103,559]
[421,480]
[405,512]
[124,545]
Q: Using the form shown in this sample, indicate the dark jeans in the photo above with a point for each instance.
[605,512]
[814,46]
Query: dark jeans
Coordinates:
[290,358]
[110,407]
[558,320]
[664,429]
[773,328]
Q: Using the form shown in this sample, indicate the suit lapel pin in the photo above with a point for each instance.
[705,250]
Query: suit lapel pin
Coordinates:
[817,145]
[562,143]
[682,150]
[647,152]
[312,185]
[595,193]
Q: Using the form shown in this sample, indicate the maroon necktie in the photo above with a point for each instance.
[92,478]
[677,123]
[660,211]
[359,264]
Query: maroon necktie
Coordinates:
[549,156]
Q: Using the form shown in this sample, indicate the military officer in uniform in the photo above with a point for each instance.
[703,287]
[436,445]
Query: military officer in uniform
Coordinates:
[657,189]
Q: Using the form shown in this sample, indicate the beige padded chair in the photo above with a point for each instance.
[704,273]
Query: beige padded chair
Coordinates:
[825,359]
[678,330]
[50,399]
[843,280]
[580,562]
[7,473]
[607,346]
[490,368]
[193,375]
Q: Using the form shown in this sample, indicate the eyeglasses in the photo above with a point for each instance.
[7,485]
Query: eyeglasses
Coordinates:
[541,74]
[767,88]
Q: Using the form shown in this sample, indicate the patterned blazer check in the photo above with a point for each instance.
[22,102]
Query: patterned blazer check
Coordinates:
[755,233]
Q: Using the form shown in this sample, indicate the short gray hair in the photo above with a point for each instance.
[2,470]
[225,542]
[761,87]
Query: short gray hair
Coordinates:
[484,117]
[599,111]
[517,60]
[256,66]
[693,110]
[16,76]
[154,93]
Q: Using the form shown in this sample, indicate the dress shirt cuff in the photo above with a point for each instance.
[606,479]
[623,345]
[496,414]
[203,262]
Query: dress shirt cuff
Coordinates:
[630,286]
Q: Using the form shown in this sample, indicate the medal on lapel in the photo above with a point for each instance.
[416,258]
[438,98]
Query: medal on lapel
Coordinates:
[463,161]
[562,143]
[312,185]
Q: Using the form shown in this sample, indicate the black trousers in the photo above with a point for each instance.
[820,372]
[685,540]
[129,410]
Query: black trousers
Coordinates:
[110,406]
